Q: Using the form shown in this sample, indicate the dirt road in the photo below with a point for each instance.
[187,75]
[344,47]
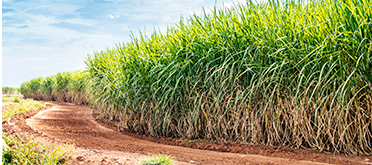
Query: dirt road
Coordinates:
[69,123]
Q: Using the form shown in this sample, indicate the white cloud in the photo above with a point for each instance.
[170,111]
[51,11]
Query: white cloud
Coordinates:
[110,16]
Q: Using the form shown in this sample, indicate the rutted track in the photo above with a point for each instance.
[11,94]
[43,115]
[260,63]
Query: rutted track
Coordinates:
[71,123]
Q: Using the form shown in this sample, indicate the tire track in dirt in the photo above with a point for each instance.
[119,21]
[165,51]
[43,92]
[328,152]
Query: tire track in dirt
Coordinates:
[71,123]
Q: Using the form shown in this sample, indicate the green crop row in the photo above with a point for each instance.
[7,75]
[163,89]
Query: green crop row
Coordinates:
[289,73]
[10,90]
[63,87]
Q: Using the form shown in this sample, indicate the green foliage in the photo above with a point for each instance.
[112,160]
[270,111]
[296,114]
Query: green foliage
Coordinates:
[63,87]
[10,90]
[7,157]
[158,160]
[23,106]
[11,98]
[30,152]
[292,73]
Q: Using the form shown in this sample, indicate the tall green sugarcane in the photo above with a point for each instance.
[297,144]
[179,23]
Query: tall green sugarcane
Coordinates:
[294,73]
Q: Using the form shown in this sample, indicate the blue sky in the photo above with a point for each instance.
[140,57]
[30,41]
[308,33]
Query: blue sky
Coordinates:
[41,38]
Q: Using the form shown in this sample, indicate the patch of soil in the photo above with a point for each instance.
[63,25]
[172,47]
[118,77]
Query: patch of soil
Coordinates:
[69,123]
[17,125]
[102,157]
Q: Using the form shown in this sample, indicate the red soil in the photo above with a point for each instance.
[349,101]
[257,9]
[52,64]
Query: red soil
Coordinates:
[70,123]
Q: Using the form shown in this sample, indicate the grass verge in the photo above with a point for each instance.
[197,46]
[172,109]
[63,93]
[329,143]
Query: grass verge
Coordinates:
[28,151]
[23,106]
[20,149]
[11,98]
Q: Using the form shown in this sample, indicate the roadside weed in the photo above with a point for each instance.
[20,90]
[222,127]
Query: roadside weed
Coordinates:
[159,159]
[28,152]
[23,106]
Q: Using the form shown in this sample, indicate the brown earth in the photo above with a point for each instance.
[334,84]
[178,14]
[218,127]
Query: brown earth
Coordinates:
[96,144]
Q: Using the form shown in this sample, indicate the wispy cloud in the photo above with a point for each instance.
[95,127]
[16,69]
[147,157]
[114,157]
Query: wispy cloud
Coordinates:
[36,8]
[24,26]
[76,27]
[111,16]
[58,35]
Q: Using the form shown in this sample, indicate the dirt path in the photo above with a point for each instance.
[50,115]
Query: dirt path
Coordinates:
[74,124]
